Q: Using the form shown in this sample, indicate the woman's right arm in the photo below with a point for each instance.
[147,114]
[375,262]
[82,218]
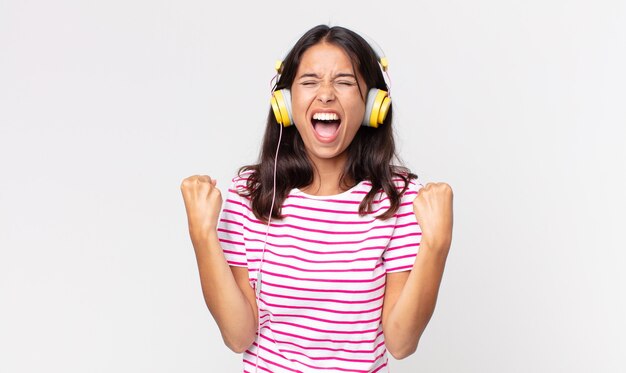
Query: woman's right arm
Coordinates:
[229,298]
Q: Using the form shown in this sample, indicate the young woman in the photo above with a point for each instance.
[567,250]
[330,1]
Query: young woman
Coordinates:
[318,262]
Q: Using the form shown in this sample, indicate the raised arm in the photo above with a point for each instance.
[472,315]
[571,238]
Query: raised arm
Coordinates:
[410,297]
[229,298]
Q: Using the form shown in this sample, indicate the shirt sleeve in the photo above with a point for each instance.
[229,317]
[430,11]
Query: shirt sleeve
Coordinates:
[230,227]
[405,240]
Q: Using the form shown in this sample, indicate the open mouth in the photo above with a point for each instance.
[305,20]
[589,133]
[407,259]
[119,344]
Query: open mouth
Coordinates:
[326,125]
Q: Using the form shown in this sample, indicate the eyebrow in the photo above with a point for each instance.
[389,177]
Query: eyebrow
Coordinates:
[339,75]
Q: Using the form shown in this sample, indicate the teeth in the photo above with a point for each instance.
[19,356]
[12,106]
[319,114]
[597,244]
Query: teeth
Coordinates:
[325,116]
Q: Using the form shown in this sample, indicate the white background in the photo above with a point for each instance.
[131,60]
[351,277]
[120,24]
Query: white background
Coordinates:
[106,106]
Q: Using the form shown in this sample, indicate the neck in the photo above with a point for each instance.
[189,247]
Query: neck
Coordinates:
[327,177]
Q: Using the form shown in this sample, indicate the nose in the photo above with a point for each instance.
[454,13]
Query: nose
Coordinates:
[326,93]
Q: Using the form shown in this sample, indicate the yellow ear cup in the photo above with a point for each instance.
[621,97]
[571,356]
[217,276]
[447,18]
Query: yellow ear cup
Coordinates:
[276,109]
[384,109]
[377,107]
[281,102]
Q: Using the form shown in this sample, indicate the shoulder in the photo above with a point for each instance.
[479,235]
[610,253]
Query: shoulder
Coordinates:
[240,182]
[406,183]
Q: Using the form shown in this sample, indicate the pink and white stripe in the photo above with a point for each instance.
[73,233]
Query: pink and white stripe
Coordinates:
[323,276]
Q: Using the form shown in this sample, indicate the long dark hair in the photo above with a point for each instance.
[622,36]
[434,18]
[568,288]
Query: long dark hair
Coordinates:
[369,154]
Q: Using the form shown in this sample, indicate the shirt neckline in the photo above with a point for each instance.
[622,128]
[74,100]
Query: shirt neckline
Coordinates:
[297,191]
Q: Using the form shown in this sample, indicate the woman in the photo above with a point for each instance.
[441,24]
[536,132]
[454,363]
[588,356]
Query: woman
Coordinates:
[314,264]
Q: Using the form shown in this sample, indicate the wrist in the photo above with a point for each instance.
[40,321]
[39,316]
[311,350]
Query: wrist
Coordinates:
[203,237]
[435,247]
[429,258]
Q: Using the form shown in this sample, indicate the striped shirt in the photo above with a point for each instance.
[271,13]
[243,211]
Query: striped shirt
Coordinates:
[323,276]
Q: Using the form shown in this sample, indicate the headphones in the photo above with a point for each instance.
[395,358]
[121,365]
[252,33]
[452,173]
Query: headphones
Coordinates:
[376,106]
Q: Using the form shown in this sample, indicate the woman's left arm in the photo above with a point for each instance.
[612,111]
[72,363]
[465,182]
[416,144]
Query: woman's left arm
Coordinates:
[410,297]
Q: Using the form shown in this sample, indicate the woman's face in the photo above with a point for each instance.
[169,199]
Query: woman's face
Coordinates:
[327,105]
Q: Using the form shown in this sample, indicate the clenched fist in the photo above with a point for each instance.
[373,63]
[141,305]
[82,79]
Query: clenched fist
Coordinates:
[203,202]
[433,210]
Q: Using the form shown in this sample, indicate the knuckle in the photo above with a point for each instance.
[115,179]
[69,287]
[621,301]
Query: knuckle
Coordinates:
[186,181]
[446,187]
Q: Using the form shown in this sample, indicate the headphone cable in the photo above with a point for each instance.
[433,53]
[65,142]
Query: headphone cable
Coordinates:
[259,274]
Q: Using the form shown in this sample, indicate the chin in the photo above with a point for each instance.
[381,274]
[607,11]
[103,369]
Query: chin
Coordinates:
[326,154]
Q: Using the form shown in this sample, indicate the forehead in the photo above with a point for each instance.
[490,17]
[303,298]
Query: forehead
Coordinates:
[324,56]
